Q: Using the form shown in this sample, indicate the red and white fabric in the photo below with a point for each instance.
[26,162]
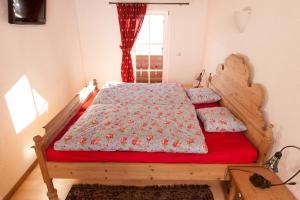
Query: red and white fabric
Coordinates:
[131,17]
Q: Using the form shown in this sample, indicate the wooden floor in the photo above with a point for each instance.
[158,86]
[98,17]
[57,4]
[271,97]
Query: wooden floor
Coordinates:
[34,189]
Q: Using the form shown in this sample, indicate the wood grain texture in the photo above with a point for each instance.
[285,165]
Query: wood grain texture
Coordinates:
[245,99]
[41,157]
[138,171]
[54,127]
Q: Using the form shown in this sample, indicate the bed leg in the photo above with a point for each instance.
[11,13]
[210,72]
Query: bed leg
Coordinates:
[52,192]
[40,154]
[232,191]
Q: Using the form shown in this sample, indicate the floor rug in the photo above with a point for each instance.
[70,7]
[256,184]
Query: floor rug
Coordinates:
[104,192]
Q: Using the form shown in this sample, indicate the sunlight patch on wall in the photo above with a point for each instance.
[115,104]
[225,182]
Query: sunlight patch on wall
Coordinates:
[40,103]
[24,104]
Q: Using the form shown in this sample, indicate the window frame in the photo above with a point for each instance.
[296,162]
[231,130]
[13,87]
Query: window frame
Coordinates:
[165,51]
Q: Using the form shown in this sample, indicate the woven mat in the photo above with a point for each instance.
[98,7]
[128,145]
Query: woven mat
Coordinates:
[104,192]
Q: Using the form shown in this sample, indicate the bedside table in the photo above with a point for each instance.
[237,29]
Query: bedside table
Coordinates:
[242,188]
[187,85]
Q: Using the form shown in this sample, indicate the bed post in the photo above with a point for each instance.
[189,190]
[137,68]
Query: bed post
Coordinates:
[40,153]
[208,80]
[265,145]
[95,83]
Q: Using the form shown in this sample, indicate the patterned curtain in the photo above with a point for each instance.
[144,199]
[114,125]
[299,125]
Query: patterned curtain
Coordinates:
[131,17]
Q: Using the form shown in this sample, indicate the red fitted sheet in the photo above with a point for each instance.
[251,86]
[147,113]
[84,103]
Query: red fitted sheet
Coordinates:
[223,148]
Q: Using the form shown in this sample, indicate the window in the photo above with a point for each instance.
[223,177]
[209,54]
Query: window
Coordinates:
[149,49]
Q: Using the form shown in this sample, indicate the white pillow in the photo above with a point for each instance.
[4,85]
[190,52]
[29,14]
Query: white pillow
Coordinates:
[220,119]
[202,95]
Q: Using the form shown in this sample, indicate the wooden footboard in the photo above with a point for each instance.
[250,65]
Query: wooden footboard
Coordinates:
[238,94]
[53,128]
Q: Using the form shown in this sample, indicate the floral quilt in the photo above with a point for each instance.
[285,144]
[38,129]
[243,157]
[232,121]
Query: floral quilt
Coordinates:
[135,127]
[142,93]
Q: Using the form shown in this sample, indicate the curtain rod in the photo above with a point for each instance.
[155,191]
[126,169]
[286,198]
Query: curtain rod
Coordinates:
[152,3]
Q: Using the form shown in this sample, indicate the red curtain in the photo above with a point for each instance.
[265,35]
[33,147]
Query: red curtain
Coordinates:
[131,17]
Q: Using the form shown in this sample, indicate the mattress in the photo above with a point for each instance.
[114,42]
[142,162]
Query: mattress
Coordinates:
[223,148]
[142,93]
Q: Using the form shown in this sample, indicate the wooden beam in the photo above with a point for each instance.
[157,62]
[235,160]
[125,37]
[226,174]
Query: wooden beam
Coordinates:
[138,171]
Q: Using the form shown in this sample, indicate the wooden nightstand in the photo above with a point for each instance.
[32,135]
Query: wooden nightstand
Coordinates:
[187,85]
[242,188]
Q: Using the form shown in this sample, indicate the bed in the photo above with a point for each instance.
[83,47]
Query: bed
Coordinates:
[231,82]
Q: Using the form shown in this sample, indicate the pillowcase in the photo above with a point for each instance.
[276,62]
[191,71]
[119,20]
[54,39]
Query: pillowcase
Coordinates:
[220,119]
[202,95]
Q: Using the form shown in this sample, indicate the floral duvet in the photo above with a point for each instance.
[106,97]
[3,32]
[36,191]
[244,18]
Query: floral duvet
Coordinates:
[142,93]
[135,127]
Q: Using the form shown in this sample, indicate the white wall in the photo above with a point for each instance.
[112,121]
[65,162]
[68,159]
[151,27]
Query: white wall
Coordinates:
[49,55]
[100,39]
[271,42]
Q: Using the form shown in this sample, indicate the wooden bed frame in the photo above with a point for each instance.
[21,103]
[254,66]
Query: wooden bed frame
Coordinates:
[232,82]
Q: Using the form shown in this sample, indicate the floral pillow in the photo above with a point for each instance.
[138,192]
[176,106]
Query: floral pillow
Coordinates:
[202,95]
[220,119]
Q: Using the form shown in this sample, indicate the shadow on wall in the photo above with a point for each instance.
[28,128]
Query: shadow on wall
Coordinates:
[24,104]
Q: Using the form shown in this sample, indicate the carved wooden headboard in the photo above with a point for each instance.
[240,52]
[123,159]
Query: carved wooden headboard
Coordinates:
[244,99]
